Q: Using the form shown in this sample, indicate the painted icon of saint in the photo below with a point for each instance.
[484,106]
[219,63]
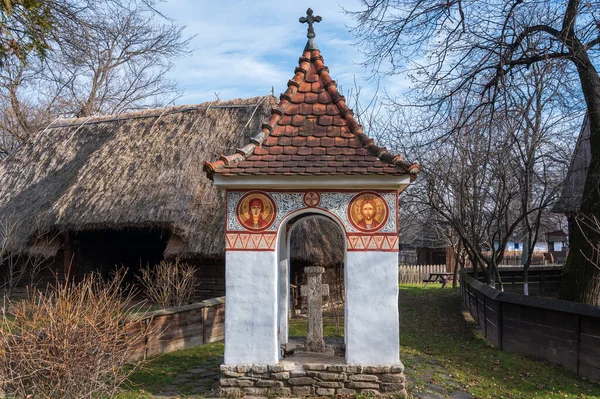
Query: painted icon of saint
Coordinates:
[368,210]
[256,221]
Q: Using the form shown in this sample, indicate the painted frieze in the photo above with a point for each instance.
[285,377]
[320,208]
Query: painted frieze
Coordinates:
[369,218]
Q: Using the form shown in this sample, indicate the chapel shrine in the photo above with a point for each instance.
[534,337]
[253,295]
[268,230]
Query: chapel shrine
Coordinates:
[311,159]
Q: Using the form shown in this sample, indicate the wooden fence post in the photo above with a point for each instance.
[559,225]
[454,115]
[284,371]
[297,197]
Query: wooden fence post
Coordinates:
[204,312]
[578,331]
[500,322]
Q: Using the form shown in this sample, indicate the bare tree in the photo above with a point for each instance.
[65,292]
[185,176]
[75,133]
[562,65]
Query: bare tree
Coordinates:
[471,51]
[539,132]
[104,58]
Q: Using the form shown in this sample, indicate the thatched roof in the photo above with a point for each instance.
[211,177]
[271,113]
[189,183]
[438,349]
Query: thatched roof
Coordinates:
[318,241]
[139,170]
[135,170]
[570,199]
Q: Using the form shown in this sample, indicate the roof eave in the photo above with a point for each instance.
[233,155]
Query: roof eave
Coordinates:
[381,182]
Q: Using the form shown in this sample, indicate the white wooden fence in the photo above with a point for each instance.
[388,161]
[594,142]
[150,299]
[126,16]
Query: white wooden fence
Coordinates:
[415,274]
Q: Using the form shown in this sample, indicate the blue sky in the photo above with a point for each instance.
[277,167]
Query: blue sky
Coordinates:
[244,48]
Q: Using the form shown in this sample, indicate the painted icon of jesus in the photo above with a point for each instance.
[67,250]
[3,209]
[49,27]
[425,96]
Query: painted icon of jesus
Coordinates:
[368,210]
[256,221]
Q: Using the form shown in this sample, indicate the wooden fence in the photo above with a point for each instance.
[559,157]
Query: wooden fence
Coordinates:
[561,332]
[185,326]
[543,280]
[415,274]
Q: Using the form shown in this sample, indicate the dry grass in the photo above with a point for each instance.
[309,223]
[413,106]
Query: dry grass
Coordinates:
[169,284]
[69,342]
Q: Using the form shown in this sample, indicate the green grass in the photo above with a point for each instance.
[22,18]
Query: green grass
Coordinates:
[439,346]
[434,336]
[162,370]
[298,327]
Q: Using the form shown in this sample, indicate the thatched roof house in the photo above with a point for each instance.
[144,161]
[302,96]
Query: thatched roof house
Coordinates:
[132,181]
[570,199]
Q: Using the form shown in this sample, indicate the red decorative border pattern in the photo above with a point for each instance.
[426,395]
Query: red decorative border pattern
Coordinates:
[250,242]
[372,242]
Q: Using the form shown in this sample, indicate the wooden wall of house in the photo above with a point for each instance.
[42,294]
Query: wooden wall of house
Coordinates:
[431,256]
[104,250]
[86,252]
[211,276]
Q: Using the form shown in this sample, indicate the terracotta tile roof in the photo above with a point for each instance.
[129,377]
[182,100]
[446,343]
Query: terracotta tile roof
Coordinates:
[311,132]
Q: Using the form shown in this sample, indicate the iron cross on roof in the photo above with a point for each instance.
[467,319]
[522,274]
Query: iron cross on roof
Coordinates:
[311,31]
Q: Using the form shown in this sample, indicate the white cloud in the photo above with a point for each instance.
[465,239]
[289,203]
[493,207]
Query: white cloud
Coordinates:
[243,48]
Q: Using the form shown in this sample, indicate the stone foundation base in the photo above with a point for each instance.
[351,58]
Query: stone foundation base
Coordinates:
[311,379]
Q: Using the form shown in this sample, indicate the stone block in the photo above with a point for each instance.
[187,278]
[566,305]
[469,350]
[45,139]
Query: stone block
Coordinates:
[284,375]
[354,369]
[268,383]
[315,366]
[325,391]
[330,384]
[288,366]
[255,391]
[399,368]
[392,387]
[228,368]
[376,369]
[363,377]
[302,391]
[244,368]
[297,373]
[370,392]
[282,392]
[345,391]
[232,374]
[234,382]
[362,385]
[231,392]
[331,376]
[276,368]
[260,368]
[301,381]
[312,373]
[337,368]
[258,375]
[392,377]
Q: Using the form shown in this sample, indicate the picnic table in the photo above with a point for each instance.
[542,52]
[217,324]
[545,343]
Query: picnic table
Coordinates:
[442,278]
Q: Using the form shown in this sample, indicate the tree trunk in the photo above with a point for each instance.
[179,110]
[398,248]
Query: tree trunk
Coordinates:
[581,279]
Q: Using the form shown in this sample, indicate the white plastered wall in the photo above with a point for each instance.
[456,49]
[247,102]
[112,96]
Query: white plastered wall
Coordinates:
[251,307]
[283,281]
[372,325]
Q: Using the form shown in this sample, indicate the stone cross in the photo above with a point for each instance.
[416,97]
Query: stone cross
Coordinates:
[315,291]
[310,20]
[310,45]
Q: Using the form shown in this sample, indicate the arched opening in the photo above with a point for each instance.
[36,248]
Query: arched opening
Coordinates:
[308,239]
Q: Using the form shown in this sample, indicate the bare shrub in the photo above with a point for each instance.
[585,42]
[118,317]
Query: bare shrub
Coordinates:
[169,283]
[71,341]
